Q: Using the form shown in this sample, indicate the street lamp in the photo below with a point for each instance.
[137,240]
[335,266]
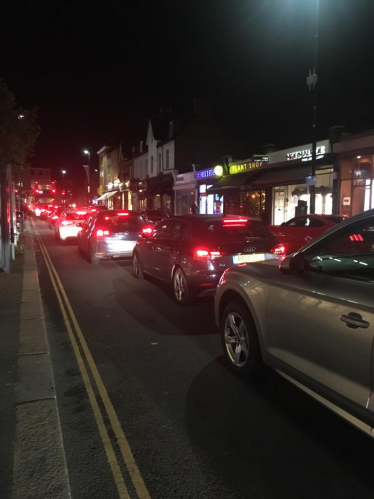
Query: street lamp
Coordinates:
[87,169]
[63,173]
[311,82]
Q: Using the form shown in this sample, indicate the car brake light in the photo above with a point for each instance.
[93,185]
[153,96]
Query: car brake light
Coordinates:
[55,217]
[278,250]
[122,214]
[66,222]
[81,212]
[147,230]
[93,210]
[205,254]
[356,237]
[234,222]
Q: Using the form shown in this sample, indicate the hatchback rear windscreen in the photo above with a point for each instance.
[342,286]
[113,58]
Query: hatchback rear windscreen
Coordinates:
[76,216]
[121,223]
[226,231]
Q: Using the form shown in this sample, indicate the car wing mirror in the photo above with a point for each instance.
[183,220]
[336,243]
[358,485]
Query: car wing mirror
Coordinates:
[293,264]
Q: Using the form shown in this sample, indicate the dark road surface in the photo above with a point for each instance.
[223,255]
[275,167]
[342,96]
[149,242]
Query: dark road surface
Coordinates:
[196,430]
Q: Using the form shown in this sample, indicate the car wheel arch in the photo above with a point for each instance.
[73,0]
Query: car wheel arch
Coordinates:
[233,295]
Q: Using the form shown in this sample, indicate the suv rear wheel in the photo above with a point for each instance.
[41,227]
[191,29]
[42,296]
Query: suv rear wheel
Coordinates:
[239,340]
[180,287]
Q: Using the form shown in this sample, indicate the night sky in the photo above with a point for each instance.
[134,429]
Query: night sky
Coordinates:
[98,72]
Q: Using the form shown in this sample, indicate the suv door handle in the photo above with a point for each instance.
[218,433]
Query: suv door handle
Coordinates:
[354,321]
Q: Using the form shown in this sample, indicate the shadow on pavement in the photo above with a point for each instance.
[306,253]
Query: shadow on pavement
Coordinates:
[266,438]
[151,304]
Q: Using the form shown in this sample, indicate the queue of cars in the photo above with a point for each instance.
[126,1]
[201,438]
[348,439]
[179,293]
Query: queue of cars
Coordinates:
[308,315]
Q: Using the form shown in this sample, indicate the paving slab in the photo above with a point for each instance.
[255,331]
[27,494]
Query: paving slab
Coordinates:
[35,380]
[31,310]
[39,469]
[32,337]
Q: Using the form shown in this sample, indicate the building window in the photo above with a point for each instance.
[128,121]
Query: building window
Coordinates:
[167,159]
[146,167]
[32,171]
[141,169]
[151,164]
[40,172]
[159,162]
[48,172]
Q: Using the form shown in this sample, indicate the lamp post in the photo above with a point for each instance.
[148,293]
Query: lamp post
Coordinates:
[87,169]
[311,82]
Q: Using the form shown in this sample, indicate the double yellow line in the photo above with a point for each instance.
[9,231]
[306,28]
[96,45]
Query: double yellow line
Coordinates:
[84,357]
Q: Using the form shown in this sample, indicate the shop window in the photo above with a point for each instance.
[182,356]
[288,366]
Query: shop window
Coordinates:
[356,186]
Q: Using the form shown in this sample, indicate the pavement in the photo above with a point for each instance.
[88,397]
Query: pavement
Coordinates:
[148,408]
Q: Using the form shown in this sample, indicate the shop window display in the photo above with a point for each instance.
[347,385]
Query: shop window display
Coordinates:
[357,185]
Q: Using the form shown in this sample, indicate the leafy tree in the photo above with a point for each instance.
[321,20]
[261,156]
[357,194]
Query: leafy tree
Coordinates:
[18,130]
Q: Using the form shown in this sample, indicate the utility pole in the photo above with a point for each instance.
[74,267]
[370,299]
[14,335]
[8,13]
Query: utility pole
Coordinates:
[311,82]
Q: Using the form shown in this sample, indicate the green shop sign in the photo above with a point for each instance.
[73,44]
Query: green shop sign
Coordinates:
[244,167]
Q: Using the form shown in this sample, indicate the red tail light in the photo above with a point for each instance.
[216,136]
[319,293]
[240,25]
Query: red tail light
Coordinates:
[278,250]
[101,232]
[205,254]
[81,212]
[356,237]
[148,231]
[122,214]
[93,210]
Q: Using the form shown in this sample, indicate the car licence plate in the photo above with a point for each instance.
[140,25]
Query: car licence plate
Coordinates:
[257,257]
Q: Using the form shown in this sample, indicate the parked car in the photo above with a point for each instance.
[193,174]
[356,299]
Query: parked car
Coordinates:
[153,216]
[302,229]
[68,225]
[191,252]
[311,318]
[110,234]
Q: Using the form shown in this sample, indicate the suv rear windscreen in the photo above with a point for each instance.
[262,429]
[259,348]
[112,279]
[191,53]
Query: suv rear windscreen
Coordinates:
[121,223]
[226,231]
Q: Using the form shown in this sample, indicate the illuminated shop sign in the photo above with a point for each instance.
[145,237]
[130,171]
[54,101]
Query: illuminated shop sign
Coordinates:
[264,159]
[245,167]
[217,171]
[306,154]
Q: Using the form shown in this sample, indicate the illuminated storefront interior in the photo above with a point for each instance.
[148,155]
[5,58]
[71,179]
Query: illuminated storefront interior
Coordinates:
[356,184]
[292,200]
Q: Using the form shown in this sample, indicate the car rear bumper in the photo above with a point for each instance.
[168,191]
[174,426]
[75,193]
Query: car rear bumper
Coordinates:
[115,249]
[67,233]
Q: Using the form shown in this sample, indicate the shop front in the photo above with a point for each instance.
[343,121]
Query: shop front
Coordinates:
[286,180]
[160,194]
[235,193]
[138,194]
[356,173]
[209,202]
[185,192]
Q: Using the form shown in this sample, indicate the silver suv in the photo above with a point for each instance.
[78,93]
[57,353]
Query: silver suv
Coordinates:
[311,318]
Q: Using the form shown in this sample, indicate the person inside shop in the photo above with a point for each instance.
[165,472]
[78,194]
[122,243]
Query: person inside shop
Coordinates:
[194,209]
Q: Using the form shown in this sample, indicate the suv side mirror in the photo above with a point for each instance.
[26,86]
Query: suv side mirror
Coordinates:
[293,264]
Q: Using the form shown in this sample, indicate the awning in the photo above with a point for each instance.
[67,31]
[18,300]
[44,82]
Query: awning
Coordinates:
[232,181]
[106,195]
[283,176]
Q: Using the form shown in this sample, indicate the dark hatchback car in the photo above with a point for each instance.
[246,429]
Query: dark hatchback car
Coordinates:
[110,234]
[153,216]
[191,252]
